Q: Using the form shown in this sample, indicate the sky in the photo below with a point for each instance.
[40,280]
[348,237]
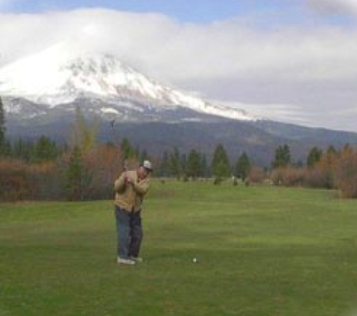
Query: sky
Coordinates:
[288,60]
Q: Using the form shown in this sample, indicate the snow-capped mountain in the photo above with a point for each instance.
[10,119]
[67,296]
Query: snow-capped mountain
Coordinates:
[54,81]
[40,94]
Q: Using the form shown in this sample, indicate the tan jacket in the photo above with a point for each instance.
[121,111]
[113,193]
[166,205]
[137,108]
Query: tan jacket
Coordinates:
[130,196]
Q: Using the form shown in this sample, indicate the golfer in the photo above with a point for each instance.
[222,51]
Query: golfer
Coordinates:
[130,189]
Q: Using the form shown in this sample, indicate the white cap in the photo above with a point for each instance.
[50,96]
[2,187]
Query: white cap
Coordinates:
[147,165]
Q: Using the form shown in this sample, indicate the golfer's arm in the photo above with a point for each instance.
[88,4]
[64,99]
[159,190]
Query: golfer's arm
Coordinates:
[119,184]
[141,188]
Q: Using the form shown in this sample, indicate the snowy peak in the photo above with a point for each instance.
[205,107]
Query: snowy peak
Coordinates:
[60,75]
[105,75]
[56,76]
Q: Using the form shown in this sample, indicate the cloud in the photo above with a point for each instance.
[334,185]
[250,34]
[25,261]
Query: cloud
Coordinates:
[5,4]
[231,60]
[187,51]
[334,7]
[280,112]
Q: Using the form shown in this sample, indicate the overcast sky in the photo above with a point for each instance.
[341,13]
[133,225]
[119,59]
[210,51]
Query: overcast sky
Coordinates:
[293,61]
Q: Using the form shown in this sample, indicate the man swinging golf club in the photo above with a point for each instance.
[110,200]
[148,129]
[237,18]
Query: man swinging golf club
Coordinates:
[130,189]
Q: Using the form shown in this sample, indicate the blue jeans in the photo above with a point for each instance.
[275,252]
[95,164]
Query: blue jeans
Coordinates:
[129,232]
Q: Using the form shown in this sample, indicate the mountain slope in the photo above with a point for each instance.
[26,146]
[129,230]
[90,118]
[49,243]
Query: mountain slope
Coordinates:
[236,136]
[41,93]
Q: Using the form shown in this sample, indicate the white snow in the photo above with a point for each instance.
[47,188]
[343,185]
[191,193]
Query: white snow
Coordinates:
[14,109]
[60,74]
[109,110]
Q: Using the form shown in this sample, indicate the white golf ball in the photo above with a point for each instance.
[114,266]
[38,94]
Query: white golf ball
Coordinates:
[194,260]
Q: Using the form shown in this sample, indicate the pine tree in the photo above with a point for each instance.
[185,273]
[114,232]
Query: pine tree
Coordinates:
[175,164]
[183,163]
[45,150]
[2,129]
[127,149]
[194,164]
[75,174]
[220,163]
[331,151]
[164,169]
[242,167]
[7,149]
[313,157]
[204,166]
[23,150]
[282,157]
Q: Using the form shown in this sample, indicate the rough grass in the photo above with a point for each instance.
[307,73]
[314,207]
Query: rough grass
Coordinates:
[261,251]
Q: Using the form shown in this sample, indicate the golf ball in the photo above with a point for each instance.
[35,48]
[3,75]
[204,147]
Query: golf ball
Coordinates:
[194,260]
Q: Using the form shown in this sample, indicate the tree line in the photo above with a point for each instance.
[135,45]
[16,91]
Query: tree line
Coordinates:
[85,169]
[195,164]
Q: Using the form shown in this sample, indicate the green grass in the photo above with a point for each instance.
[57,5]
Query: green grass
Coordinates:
[261,251]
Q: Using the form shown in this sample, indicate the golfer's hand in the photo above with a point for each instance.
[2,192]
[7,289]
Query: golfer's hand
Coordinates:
[128,180]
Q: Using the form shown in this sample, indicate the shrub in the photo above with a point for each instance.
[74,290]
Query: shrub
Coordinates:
[73,176]
[91,176]
[288,176]
[346,174]
[21,181]
[319,177]
[277,176]
[256,175]
[44,180]
[14,184]
[104,164]
[13,181]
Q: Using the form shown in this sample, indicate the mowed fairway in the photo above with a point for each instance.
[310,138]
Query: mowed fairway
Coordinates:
[260,250]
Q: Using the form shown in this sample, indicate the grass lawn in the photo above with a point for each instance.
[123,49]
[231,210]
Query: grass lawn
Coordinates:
[260,250]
